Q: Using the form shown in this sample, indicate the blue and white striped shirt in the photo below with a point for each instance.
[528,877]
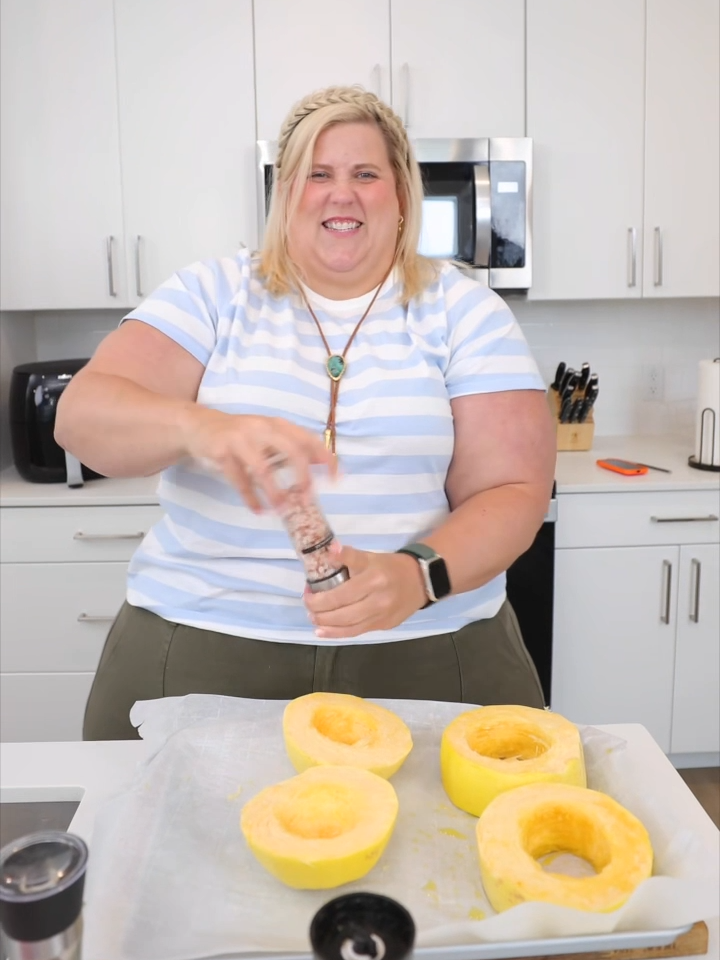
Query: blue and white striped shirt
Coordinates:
[212,563]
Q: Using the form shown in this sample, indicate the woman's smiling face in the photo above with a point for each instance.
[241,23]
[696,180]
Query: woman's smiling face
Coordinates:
[344,230]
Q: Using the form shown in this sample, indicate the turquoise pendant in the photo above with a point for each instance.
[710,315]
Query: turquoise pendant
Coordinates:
[335,366]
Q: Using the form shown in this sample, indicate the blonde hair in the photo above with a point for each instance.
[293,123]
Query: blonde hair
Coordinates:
[298,135]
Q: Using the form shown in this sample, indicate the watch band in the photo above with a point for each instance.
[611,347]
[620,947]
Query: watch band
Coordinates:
[433,569]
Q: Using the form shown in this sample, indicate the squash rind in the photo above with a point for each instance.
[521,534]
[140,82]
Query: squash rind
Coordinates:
[522,824]
[472,780]
[316,863]
[382,751]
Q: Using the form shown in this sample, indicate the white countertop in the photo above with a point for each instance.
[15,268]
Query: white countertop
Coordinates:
[576,472]
[95,771]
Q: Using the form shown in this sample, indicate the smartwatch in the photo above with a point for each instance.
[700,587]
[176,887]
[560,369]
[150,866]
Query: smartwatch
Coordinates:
[433,569]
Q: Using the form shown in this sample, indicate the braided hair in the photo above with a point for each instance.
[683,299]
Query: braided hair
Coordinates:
[296,142]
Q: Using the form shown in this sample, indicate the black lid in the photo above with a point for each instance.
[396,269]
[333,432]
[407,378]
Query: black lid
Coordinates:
[362,926]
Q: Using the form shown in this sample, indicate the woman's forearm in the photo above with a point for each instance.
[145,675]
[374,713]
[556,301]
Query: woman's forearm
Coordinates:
[119,428]
[484,535]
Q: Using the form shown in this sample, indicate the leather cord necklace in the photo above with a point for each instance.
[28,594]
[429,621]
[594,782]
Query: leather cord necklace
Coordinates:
[336,363]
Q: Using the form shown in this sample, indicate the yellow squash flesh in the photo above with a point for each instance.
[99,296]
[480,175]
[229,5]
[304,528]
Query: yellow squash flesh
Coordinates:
[338,729]
[522,825]
[320,829]
[492,749]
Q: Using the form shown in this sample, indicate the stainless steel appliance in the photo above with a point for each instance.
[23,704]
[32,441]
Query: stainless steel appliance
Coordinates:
[477,207]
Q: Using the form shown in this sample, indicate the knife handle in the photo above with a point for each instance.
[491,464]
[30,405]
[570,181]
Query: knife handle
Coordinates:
[584,376]
[559,374]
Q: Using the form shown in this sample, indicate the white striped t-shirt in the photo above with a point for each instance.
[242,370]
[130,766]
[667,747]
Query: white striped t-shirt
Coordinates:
[210,562]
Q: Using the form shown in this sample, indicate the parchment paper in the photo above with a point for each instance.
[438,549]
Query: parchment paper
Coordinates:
[170,876]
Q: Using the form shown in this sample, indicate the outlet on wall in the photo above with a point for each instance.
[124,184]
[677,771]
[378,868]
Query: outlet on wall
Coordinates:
[654,382]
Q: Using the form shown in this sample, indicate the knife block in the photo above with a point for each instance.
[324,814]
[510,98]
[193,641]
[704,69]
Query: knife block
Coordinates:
[571,436]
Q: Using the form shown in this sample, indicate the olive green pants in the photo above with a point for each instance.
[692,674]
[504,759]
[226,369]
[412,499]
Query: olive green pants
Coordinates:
[146,657]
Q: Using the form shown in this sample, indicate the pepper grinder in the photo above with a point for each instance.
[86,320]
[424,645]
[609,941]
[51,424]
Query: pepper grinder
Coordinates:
[308,529]
[42,877]
[362,926]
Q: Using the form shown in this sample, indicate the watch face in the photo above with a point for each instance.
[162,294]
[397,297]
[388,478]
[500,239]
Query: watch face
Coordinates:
[439,578]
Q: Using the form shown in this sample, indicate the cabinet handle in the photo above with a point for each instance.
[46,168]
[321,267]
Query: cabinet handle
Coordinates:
[695,573]
[667,584]
[632,256]
[138,276]
[405,73]
[377,79]
[79,535]
[658,261]
[710,518]
[111,273]
[91,618]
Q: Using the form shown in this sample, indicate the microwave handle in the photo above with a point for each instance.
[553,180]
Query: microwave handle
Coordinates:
[483,226]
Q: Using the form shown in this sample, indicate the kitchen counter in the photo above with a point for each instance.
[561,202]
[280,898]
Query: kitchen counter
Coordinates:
[576,472]
[93,772]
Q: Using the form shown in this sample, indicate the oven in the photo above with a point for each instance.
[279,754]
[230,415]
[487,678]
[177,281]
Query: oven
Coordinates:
[530,590]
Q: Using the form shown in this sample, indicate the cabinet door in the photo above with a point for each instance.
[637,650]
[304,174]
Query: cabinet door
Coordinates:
[696,705]
[43,707]
[66,631]
[61,226]
[682,188]
[614,636]
[187,126]
[303,45]
[459,67]
[585,88]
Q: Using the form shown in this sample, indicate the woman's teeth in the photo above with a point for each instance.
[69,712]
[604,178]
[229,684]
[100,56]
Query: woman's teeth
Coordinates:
[341,225]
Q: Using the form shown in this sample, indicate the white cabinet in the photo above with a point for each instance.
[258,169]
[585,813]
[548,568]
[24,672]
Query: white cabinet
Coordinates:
[682,186]
[624,111]
[459,67]
[451,68]
[585,103]
[613,652]
[187,131]
[304,45]
[62,581]
[61,223]
[696,717]
[637,618]
[128,133]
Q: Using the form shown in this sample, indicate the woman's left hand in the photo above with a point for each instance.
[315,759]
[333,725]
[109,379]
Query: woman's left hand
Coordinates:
[384,589]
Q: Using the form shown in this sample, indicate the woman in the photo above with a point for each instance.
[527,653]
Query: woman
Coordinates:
[403,395]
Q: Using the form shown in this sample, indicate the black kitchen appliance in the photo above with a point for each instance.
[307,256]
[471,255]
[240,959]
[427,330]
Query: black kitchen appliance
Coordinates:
[35,389]
[530,590]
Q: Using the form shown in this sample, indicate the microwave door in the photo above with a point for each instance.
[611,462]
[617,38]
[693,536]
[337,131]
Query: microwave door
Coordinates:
[483,218]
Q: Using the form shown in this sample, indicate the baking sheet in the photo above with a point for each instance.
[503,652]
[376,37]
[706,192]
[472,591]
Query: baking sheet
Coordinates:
[170,876]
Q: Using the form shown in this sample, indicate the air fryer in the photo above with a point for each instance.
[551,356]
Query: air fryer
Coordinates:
[35,389]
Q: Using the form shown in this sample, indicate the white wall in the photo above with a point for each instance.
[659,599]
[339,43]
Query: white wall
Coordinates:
[620,339]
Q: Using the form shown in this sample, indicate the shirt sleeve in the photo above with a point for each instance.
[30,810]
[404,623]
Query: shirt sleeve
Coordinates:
[185,308]
[487,350]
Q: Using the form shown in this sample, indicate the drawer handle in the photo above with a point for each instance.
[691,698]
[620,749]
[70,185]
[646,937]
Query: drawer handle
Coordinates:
[695,612]
[710,518]
[667,587]
[92,618]
[79,535]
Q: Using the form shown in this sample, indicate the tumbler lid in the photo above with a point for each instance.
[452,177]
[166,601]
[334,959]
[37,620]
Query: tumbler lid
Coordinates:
[362,926]
[41,882]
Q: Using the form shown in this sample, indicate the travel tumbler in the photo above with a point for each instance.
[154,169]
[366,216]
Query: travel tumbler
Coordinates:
[42,877]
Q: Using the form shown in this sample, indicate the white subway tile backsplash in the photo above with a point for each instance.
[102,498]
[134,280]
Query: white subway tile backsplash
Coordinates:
[619,338]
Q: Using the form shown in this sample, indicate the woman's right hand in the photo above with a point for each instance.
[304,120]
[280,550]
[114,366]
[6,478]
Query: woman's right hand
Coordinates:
[238,446]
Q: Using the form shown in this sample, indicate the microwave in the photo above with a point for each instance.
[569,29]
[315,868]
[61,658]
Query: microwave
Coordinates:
[477,208]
